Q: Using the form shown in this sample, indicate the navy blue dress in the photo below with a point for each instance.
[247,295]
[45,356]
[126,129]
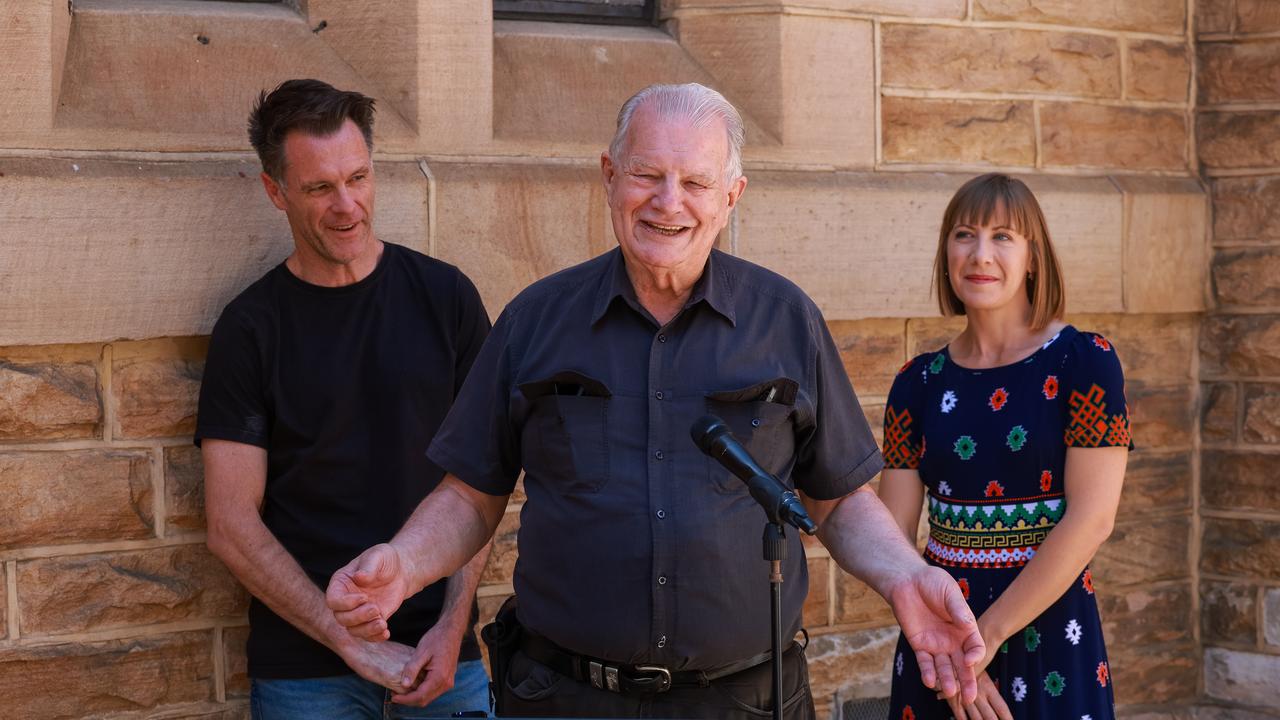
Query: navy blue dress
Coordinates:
[990,446]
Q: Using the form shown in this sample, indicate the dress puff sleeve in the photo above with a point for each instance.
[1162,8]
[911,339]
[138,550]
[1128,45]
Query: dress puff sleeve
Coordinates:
[1097,413]
[903,436]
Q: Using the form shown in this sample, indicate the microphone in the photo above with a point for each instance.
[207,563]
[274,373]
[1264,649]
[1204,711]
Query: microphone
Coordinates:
[713,437]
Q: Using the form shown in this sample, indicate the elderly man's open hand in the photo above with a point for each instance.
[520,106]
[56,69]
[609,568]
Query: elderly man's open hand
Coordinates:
[941,629]
[365,592]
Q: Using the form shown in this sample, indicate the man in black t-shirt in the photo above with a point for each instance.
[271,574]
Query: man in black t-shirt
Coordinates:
[325,382]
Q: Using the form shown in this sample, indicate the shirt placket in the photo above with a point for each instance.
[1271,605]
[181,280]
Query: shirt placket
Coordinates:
[658,470]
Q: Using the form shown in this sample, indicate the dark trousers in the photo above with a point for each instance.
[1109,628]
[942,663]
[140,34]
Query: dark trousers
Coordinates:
[531,689]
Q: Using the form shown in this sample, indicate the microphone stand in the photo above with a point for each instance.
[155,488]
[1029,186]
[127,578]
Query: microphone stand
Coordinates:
[775,551]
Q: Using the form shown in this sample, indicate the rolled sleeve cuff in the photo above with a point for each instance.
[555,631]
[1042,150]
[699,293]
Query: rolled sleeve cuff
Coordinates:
[238,435]
[862,472]
[490,481]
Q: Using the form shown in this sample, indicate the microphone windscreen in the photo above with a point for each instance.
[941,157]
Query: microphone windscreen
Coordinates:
[705,430]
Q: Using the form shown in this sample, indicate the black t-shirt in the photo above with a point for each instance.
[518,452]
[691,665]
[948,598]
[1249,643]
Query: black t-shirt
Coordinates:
[344,387]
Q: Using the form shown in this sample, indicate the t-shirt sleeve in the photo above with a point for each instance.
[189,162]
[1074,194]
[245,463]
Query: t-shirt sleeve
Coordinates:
[472,329]
[903,439]
[837,453]
[1097,413]
[233,404]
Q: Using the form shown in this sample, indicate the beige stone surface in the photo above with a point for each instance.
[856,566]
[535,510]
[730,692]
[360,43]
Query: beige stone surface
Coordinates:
[124,249]
[854,664]
[1147,615]
[156,385]
[1261,414]
[1214,16]
[1142,551]
[1166,245]
[1162,417]
[1246,677]
[817,603]
[1164,675]
[1001,61]
[1243,345]
[456,72]
[1239,479]
[1247,277]
[4,604]
[509,225]
[1158,16]
[74,496]
[872,352]
[926,335]
[82,593]
[76,680]
[1228,612]
[857,604]
[1243,548]
[183,488]
[1154,350]
[1238,72]
[32,46]
[1156,481]
[921,130]
[1232,140]
[51,398]
[1159,71]
[1246,208]
[1105,136]
[502,559]
[1218,412]
[945,9]
[1256,16]
[236,663]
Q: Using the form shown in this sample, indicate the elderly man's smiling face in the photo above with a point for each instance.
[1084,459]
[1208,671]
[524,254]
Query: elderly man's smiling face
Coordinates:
[668,194]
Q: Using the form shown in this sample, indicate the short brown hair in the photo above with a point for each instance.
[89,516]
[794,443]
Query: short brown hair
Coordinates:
[981,201]
[312,106]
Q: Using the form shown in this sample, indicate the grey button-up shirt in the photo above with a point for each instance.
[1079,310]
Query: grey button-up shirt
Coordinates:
[634,546]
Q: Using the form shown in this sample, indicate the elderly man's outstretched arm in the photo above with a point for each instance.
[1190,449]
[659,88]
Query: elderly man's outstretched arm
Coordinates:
[446,530]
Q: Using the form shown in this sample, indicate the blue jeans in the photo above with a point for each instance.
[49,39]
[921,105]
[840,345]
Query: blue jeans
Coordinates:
[351,696]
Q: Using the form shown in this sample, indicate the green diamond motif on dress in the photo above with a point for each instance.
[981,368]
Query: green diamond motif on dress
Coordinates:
[1004,647]
[1054,683]
[935,367]
[1031,638]
[965,447]
[1017,438]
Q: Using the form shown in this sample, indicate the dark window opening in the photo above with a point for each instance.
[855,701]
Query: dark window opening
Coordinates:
[612,12]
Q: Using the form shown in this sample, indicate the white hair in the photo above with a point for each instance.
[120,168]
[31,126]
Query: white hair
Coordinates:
[697,103]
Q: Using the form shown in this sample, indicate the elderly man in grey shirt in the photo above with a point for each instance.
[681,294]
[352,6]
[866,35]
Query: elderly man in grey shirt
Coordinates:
[636,551]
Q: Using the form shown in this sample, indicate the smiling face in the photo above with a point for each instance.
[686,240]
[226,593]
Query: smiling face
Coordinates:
[668,194]
[987,264]
[327,196]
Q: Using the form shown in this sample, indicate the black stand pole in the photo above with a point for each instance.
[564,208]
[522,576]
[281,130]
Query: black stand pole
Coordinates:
[775,551]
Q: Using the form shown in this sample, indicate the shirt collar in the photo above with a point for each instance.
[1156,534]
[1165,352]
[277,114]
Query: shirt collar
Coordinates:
[714,287]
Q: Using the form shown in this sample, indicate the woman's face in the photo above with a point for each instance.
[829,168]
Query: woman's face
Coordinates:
[988,264]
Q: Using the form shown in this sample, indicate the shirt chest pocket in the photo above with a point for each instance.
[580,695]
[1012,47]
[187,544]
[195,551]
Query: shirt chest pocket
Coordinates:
[565,439]
[761,418]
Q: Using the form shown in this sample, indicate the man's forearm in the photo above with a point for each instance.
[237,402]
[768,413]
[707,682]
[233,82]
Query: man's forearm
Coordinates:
[866,542]
[461,589]
[447,534]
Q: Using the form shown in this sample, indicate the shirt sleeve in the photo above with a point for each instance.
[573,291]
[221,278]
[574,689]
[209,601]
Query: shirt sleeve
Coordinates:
[1097,413]
[472,329]
[837,453]
[903,438]
[233,404]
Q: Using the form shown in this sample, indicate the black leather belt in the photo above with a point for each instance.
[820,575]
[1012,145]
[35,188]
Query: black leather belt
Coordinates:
[623,678]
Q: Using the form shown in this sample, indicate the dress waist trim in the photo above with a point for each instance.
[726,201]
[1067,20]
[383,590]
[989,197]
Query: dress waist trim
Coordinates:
[990,533]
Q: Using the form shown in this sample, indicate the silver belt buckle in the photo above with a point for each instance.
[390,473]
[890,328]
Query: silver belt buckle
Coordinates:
[611,679]
[596,671]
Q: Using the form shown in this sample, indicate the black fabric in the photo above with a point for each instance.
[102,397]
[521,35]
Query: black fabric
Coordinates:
[634,546]
[344,387]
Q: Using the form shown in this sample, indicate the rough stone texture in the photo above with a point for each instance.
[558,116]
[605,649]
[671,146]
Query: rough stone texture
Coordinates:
[920,130]
[1246,208]
[74,496]
[1103,136]
[1214,16]
[1218,413]
[931,334]
[48,400]
[1166,247]
[872,351]
[1147,615]
[1261,414]
[1213,712]
[1239,479]
[1142,551]
[1241,676]
[1155,674]
[857,604]
[183,488]
[1156,481]
[1154,350]
[817,603]
[1271,616]
[33,41]
[1238,72]
[81,593]
[1247,548]
[236,664]
[1162,417]
[979,60]
[947,9]
[502,559]
[873,413]
[1155,16]
[1228,612]
[1247,345]
[1248,277]
[1232,140]
[855,664]
[1256,16]
[4,602]
[1158,71]
[156,386]
[113,676]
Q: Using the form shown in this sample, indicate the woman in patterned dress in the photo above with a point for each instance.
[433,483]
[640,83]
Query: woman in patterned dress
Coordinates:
[1017,433]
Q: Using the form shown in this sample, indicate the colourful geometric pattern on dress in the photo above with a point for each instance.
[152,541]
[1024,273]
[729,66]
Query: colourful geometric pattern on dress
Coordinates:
[965,447]
[1046,480]
[1102,343]
[1050,387]
[898,450]
[1031,638]
[1104,674]
[1089,425]
[1054,683]
[939,360]
[994,489]
[998,399]
[1016,438]
[1003,533]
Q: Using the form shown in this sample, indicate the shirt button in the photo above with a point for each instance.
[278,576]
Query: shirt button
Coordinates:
[662,338]
[662,641]
[662,579]
[755,422]
[658,454]
[661,514]
[658,394]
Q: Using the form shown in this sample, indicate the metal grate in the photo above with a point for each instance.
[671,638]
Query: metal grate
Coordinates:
[865,709]
[612,12]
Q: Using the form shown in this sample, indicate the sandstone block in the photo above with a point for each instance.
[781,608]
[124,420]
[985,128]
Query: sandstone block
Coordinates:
[1271,616]
[1261,414]
[931,334]
[4,603]
[872,351]
[858,604]
[1158,71]
[156,385]
[973,60]
[920,130]
[236,665]
[1239,479]
[1079,135]
[134,674]
[184,488]
[1156,16]
[950,9]
[1214,16]
[1147,615]
[1256,16]
[1228,612]
[1246,345]
[502,559]
[1230,140]
[49,400]
[1246,548]
[1156,481]
[854,664]
[1246,208]
[1218,413]
[1243,677]
[1154,350]
[75,496]
[33,43]
[1162,417]
[80,593]
[1151,674]
[1248,277]
[1166,249]
[873,413]
[817,603]
[1238,72]
[1142,551]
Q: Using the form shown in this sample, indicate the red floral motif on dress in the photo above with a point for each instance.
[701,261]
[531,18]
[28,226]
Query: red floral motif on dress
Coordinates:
[1104,673]
[1088,581]
[998,399]
[964,587]
[1088,425]
[1046,480]
[1102,343]
[994,489]
[898,450]
[1050,388]
[908,713]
